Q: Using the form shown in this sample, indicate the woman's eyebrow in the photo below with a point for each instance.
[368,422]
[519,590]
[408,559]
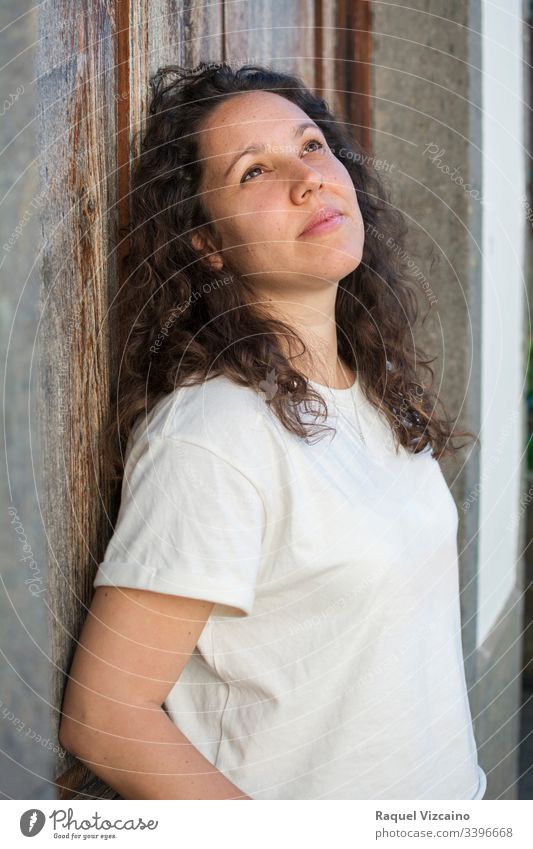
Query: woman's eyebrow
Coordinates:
[257,146]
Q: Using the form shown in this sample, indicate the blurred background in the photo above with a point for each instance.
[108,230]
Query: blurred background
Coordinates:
[439,94]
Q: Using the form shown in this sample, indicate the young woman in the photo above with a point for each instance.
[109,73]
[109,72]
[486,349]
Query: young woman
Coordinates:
[277,612]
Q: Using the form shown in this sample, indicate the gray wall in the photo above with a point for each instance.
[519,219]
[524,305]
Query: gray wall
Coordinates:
[26,762]
[427,118]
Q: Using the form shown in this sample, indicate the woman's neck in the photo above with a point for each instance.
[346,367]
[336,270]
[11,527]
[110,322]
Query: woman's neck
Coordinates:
[342,376]
[329,370]
[320,361]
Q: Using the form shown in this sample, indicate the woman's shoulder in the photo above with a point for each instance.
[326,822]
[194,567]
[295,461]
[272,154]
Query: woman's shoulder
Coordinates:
[218,413]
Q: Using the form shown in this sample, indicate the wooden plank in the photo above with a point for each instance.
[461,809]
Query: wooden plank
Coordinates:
[106,57]
[76,133]
[273,33]
[320,70]
[161,32]
[353,35]
[184,33]
[79,783]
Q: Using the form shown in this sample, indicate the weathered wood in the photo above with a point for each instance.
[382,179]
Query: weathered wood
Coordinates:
[116,56]
[186,32]
[274,33]
[79,783]
[77,131]
[353,68]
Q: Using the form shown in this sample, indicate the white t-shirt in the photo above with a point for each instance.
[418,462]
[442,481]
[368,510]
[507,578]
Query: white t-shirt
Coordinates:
[331,666]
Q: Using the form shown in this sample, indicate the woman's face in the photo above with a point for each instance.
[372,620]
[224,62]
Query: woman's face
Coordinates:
[259,203]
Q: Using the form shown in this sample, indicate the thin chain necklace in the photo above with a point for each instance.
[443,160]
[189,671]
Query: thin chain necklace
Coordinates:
[360,429]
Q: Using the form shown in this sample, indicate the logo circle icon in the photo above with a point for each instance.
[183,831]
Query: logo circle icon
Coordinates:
[32,822]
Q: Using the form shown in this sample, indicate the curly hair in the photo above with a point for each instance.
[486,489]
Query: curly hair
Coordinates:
[175,336]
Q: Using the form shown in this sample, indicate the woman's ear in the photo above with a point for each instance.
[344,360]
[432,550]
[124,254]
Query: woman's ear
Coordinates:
[204,245]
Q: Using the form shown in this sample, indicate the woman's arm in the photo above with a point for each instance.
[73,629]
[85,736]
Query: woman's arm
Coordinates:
[132,649]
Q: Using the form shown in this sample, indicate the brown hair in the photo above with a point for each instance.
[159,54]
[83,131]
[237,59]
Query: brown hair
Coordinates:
[175,335]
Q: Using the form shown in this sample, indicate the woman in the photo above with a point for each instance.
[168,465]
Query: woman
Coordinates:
[277,612]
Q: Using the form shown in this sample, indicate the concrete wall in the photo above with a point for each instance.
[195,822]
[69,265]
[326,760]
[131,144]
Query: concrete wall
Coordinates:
[26,763]
[431,75]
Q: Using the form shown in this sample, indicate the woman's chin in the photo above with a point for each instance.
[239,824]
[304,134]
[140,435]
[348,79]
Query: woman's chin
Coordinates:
[342,254]
[337,270]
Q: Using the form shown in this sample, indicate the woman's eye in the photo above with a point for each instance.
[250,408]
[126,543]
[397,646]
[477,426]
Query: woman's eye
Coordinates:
[316,141]
[257,167]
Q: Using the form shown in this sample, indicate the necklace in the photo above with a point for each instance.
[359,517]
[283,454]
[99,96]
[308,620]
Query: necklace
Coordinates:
[360,429]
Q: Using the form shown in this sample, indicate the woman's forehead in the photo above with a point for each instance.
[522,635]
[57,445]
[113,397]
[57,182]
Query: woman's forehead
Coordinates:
[245,120]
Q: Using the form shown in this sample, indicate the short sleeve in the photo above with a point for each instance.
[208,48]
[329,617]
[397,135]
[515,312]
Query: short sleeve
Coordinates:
[190,523]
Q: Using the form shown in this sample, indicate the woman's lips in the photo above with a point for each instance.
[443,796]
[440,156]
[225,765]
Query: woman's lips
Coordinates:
[324,226]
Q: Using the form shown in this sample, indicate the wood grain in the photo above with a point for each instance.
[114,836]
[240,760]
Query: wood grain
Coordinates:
[78,272]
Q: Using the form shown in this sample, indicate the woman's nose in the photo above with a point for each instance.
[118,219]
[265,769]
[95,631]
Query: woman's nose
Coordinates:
[299,173]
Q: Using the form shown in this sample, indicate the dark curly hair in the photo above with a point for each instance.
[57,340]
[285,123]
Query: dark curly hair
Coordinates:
[172,336]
